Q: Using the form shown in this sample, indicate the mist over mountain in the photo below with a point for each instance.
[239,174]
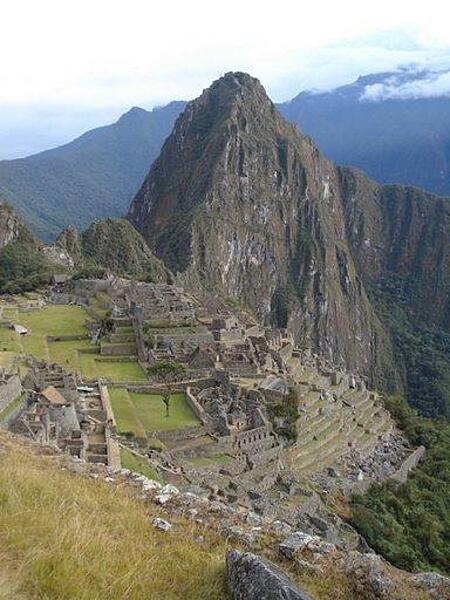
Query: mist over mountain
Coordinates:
[395,126]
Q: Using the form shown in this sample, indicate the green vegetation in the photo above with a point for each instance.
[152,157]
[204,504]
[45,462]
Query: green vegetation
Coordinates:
[423,352]
[81,355]
[67,353]
[151,412]
[288,410]
[410,524]
[9,341]
[53,320]
[125,414]
[166,370]
[90,272]
[22,269]
[137,464]
[206,461]
[120,371]
[280,307]
[91,178]
[115,245]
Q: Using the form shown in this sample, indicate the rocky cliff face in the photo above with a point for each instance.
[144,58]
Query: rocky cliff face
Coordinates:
[241,202]
[10,225]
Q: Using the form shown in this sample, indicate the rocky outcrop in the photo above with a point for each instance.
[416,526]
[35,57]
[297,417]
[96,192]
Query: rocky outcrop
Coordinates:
[241,203]
[115,245]
[11,227]
[251,577]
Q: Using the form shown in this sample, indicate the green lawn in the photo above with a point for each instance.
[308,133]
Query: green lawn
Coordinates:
[9,340]
[144,414]
[125,413]
[60,320]
[66,352]
[7,359]
[151,411]
[50,320]
[120,371]
[137,464]
[55,320]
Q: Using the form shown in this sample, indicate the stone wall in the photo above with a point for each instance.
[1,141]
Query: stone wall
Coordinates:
[273,395]
[286,352]
[127,349]
[66,338]
[253,439]
[9,390]
[265,456]
[106,405]
[177,435]
[195,407]
[411,462]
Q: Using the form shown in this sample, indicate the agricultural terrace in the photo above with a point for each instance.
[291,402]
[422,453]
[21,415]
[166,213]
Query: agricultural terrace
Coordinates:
[80,354]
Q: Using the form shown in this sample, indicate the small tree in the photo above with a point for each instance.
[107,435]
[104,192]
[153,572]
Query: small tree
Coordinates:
[166,371]
[166,398]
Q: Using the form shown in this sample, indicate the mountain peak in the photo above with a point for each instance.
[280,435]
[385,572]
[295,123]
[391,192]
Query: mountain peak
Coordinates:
[236,80]
[226,94]
[135,113]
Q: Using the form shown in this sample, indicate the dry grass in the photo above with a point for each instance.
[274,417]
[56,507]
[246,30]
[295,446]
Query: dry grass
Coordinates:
[67,537]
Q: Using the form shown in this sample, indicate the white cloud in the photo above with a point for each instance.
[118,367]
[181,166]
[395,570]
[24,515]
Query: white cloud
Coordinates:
[432,85]
[103,56]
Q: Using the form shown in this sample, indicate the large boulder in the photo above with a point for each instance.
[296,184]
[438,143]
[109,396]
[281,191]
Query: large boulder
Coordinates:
[251,577]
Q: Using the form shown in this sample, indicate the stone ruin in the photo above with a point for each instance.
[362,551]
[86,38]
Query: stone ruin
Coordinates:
[159,303]
[234,414]
[59,411]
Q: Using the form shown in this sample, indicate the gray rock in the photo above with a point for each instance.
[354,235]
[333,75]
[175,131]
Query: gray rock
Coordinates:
[251,577]
[295,542]
[281,528]
[253,519]
[433,582]
[162,524]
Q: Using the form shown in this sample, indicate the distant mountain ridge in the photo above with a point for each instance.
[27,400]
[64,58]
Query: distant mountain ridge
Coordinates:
[393,137]
[92,177]
[379,126]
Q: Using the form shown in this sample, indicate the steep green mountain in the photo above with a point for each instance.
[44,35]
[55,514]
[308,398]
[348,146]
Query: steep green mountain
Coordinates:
[93,177]
[23,264]
[383,124]
[239,201]
[114,245]
[109,246]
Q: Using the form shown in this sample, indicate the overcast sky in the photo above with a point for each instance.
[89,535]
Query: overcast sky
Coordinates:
[70,65]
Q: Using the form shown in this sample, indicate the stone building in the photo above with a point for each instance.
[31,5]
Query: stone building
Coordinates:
[228,411]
